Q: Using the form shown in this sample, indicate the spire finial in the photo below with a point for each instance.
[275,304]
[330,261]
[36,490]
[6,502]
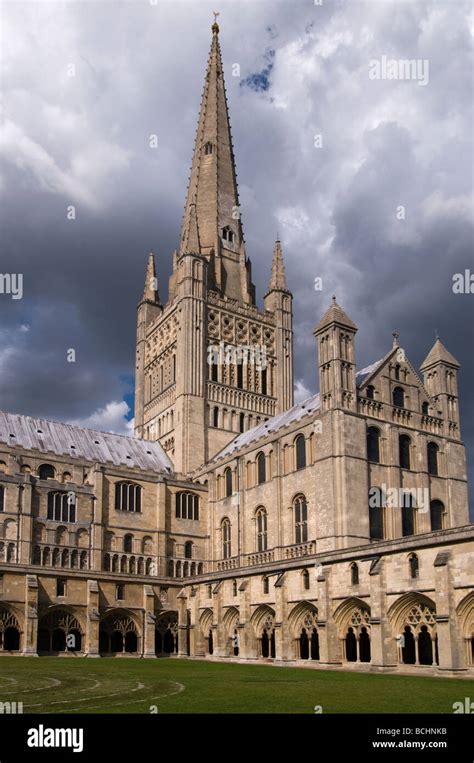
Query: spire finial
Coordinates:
[396,336]
[334,298]
[215,26]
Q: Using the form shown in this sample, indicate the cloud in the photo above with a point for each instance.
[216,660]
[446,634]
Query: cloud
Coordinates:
[111,418]
[385,144]
[301,392]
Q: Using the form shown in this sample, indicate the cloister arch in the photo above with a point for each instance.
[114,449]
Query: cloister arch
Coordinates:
[263,622]
[119,633]
[413,621]
[303,623]
[205,624]
[352,618]
[231,621]
[465,614]
[166,633]
[10,629]
[60,630]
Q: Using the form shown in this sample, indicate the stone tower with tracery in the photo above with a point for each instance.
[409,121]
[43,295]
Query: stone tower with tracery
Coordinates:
[209,362]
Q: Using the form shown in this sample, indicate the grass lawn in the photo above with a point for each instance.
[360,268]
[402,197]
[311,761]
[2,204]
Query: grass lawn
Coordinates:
[56,685]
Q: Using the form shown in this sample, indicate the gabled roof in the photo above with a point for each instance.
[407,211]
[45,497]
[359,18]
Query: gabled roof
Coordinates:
[439,354]
[365,373]
[56,437]
[284,419]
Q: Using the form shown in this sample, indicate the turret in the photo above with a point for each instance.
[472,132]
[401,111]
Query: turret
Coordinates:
[279,300]
[440,376]
[148,309]
[335,335]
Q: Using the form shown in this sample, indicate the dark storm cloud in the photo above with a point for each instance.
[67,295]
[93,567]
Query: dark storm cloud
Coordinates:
[83,140]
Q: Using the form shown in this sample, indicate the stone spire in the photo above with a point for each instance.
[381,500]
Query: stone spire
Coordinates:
[334,314]
[150,292]
[278,278]
[191,242]
[211,222]
[439,354]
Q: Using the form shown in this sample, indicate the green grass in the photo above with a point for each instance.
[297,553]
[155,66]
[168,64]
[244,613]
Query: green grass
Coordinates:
[57,685]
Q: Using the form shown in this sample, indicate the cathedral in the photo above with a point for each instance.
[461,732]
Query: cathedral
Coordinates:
[235,524]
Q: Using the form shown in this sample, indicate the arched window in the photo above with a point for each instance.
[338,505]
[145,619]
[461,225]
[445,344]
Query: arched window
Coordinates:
[128,543]
[213,367]
[301,519]
[369,391]
[60,507]
[433,459]
[188,550]
[228,482]
[300,451]
[128,497]
[425,408]
[261,515]
[228,234]
[398,397]
[413,565]
[376,513]
[240,374]
[261,470]
[46,472]
[354,574]
[266,584]
[215,416]
[226,538]
[404,451]
[2,498]
[305,577]
[408,514]
[187,506]
[436,515]
[234,588]
[397,373]
[373,445]
[208,148]
[241,422]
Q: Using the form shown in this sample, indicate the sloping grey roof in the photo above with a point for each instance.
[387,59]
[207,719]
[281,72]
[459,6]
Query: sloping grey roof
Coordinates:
[364,373]
[55,437]
[308,406]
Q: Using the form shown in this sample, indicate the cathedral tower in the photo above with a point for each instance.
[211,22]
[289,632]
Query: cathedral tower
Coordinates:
[210,364]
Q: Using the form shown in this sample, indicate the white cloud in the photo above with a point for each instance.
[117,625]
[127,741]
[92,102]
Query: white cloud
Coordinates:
[112,418]
[301,392]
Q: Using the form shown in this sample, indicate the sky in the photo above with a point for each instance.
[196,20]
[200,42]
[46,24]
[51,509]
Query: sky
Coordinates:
[367,181]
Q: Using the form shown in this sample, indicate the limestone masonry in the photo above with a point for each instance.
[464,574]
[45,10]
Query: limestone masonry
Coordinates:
[236,524]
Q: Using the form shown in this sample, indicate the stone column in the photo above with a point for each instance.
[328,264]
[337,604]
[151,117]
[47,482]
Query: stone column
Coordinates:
[25,523]
[30,631]
[282,631]
[248,647]
[91,646]
[329,651]
[149,620]
[381,641]
[450,649]
[182,625]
